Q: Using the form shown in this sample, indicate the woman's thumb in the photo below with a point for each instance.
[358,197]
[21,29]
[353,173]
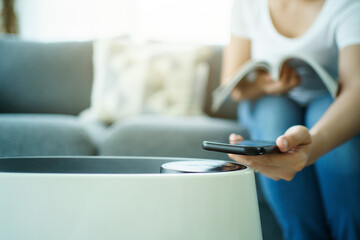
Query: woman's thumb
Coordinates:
[293,137]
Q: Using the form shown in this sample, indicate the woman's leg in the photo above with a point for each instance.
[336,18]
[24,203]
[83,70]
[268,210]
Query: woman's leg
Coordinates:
[339,178]
[296,204]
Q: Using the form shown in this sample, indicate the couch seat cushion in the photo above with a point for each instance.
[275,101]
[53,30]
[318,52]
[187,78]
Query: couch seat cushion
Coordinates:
[43,135]
[167,136]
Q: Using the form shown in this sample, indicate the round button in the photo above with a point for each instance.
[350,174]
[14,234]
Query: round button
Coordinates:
[201,166]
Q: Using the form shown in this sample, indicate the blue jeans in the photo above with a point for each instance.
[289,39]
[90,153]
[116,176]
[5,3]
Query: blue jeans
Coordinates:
[323,200]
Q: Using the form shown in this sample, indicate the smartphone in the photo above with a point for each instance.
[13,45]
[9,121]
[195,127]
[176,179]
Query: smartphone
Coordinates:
[245,147]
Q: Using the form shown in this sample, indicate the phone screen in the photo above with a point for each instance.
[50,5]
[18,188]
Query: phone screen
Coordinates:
[245,147]
[249,143]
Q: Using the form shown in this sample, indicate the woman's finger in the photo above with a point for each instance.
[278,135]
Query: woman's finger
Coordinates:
[273,172]
[270,172]
[293,161]
[283,72]
[234,138]
[288,71]
[295,79]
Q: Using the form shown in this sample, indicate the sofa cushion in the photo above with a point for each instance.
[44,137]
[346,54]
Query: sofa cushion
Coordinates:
[167,136]
[43,135]
[44,77]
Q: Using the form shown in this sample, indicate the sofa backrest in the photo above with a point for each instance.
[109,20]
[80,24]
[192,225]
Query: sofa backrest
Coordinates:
[228,110]
[44,77]
[37,77]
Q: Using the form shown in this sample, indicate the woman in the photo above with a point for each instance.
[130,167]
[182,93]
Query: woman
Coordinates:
[313,186]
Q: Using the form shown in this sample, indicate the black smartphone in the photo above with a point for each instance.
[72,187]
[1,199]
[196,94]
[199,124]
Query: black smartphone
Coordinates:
[245,147]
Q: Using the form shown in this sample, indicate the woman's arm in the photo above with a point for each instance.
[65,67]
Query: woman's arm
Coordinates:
[236,53]
[342,120]
[339,124]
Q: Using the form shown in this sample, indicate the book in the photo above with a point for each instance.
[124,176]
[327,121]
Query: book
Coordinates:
[301,64]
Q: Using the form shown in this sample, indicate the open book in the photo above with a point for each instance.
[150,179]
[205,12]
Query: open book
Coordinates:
[299,63]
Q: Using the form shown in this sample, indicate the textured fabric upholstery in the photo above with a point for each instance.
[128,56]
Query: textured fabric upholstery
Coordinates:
[43,135]
[44,77]
[167,136]
[228,110]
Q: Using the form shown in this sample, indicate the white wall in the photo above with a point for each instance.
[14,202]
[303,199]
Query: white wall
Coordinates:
[202,21]
[53,20]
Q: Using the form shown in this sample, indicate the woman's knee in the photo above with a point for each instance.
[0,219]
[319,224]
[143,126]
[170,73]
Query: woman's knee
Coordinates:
[273,115]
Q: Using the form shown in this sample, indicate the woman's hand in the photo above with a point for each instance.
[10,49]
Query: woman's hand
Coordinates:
[250,89]
[265,85]
[295,145]
[246,90]
[288,80]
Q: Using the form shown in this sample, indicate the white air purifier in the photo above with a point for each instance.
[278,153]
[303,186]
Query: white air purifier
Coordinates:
[126,198]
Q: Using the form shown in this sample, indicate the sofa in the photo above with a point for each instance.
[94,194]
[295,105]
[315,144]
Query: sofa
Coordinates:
[44,87]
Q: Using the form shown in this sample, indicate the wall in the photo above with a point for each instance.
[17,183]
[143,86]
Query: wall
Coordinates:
[199,21]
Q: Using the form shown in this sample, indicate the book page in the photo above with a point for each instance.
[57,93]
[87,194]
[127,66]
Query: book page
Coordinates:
[301,63]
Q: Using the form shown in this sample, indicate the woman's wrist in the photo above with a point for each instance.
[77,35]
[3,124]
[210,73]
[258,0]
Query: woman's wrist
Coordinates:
[317,145]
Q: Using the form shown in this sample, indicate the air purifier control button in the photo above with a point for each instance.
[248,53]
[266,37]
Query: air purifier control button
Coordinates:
[201,166]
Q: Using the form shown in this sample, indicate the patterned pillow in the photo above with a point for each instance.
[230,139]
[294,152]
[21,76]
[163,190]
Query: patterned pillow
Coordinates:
[147,78]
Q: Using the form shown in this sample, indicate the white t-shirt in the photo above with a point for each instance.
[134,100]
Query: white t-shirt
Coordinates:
[336,26]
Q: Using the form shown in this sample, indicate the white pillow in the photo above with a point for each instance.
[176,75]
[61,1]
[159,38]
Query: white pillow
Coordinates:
[150,78]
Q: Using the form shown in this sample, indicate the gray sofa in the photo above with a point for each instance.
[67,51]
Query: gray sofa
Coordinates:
[44,86]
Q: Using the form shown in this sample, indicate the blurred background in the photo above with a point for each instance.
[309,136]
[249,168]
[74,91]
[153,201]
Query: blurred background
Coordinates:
[103,77]
[172,75]
[189,21]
